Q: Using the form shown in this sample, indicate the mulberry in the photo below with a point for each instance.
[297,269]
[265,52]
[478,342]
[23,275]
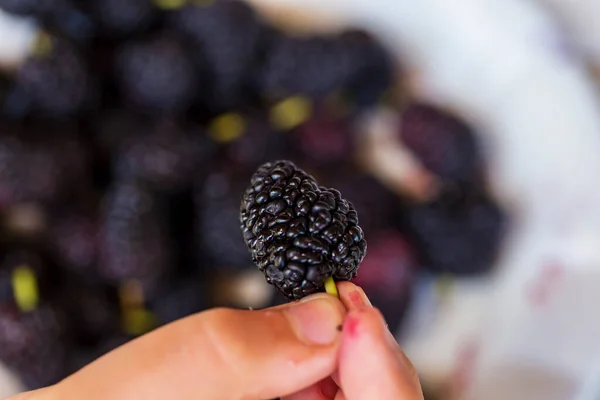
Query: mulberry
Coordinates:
[299,233]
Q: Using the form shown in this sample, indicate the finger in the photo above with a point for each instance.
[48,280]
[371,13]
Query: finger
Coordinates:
[324,390]
[340,396]
[352,296]
[222,354]
[372,365]
[40,394]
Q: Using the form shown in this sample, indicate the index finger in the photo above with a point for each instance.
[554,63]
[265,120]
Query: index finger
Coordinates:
[372,365]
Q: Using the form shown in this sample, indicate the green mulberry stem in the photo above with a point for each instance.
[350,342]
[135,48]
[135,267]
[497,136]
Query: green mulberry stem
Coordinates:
[331,288]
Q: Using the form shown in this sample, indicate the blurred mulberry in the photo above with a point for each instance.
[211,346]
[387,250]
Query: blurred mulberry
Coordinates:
[375,67]
[31,344]
[157,75]
[257,144]
[378,207]
[134,245]
[29,7]
[387,274]
[181,299]
[317,66]
[389,267]
[118,17]
[57,82]
[74,239]
[166,159]
[444,144]
[460,232]
[325,140]
[91,312]
[217,204]
[39,168]
[312,66]
[227,35]
[113,128]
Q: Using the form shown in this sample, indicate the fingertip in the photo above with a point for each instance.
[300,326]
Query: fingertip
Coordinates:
[352,296]
[345,287]
[371,362]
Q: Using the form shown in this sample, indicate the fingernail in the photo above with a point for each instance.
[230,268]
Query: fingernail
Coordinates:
[359,299]
[316,320]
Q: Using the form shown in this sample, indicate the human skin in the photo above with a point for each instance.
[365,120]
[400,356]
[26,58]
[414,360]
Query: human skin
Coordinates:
[320,348]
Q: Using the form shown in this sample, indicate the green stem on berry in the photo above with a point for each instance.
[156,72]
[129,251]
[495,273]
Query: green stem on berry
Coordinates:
[331,288]
[170,4]
[25,288]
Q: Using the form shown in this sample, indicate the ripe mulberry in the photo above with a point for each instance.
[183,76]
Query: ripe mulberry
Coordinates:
[300,233]
[32,345]
[444,144]
[460,232]
[118,17]
[157,75]
[56,83]
[167,159]
[134,243]
[226,34]
[217,204]
[29,7]
[317,66]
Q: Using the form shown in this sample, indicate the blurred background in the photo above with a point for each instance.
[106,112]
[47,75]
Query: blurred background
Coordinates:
[467,137]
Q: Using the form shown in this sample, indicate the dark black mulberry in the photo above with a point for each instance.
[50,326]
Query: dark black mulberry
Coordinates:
[375,68]
[40,162]
[157,74]
[217,204]
[257,144]
[300,233]
[56,81]
[317,66]
[29,7]
[32,345]
[325,141]
[61,16]
[74,239]
[388,273]
[313,66]
[375,203]
[445,145]
[227,34]
[460,232]
[134,243]
[166,159]
[91,310]
[118,17]
[180,299]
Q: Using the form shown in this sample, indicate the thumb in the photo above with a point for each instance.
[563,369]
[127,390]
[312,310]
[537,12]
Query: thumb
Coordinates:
[221,354]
